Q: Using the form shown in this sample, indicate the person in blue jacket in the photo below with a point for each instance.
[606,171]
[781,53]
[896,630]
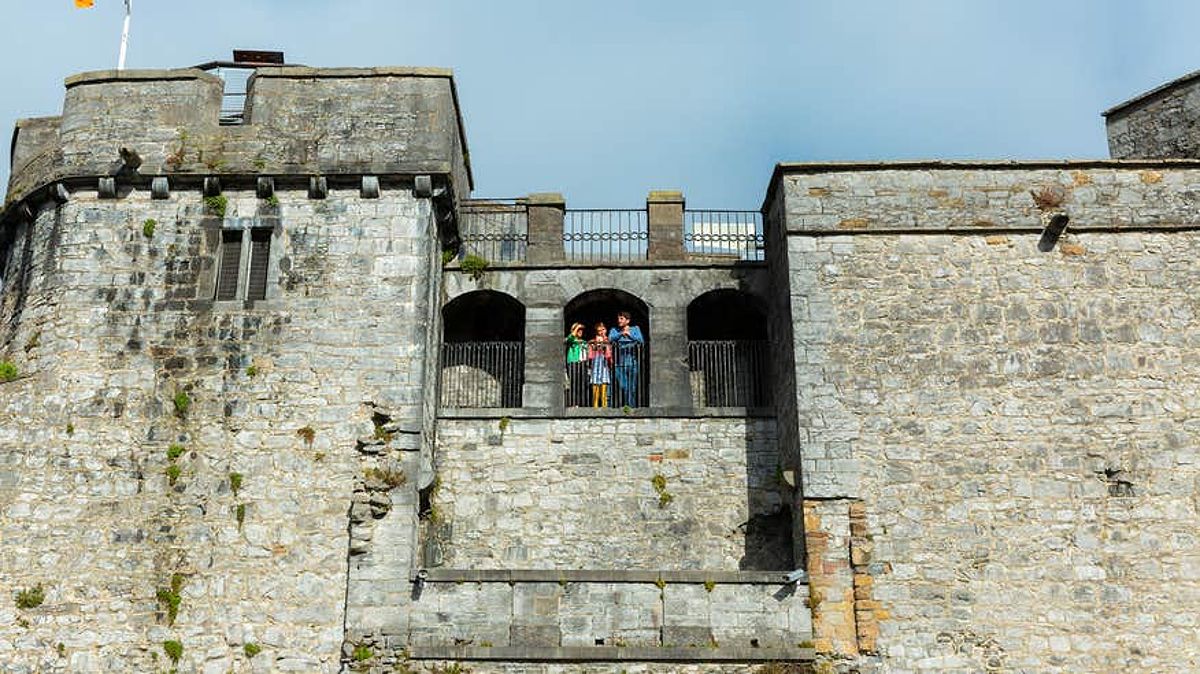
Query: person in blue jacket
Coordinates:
[627,344]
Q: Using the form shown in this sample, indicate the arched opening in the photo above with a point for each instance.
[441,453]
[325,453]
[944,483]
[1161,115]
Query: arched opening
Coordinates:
[727,350]
[483,350]
[615,371]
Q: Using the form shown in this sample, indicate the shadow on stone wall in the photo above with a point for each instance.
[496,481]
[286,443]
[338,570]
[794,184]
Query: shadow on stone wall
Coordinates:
[768,532]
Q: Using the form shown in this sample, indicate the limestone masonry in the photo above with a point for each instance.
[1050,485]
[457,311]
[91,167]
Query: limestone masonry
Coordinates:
[278,395]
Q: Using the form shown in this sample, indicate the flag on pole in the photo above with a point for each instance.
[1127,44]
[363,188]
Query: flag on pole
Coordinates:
[87,4]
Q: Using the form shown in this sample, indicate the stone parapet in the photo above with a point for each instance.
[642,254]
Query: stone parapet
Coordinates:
[664,215]
[300,121]
[983,197]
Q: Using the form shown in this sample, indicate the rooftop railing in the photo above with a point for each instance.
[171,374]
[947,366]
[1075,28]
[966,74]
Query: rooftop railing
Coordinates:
[736,235]
[495,229]
[610,234]
[540,229]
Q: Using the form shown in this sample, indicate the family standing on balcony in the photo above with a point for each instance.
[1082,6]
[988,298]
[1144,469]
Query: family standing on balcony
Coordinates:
[595,361]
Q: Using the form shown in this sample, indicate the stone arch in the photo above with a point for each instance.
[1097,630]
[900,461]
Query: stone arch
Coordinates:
[601,305]
[728,351]
[726,314]
[483,350]
[483,315]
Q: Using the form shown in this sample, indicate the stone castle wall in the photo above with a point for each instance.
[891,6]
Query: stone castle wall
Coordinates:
[1007,432]
[579,494]
[106,326]
[1160,124]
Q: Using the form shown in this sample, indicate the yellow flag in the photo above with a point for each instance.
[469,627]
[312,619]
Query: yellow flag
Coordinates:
[84,3]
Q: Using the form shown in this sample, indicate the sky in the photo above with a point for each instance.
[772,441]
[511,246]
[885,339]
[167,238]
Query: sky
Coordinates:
[605,101]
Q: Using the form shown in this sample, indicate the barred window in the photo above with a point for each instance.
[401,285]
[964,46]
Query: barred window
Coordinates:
[231,262]
[260,253]
[243,262]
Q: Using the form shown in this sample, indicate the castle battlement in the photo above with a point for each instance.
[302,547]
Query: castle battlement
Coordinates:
[298,121]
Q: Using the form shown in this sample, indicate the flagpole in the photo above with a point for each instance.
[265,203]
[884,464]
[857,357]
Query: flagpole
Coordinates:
[125,35]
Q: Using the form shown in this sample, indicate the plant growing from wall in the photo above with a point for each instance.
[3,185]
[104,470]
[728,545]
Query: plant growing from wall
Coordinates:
[31,598]
[216,205]
[388,476]
[428,508]
[173,649]
[448,256]
[1049,197]
[362,653]
[173,470]
[8,371]
[273,201]
[709,585]
[182,401]
[474,265]
[148,227]
[239,514]
[170,598]
[175,159]
[70,428]
[251,649]
[251,371]
[659,482]
[235,483]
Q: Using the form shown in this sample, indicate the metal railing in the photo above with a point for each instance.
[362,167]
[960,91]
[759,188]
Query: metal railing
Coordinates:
[723,234]
[609,376]
[482,374]
[495,229]
[605,234]
[726,373]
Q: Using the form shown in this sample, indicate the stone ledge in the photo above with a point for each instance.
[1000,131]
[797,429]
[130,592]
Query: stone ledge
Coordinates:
[309,72]
[611,654]
[685,576]
[104,76]
[967,230]
[606,413]
[694,263]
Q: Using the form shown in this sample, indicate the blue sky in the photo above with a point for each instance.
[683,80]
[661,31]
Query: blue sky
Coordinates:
[605,101]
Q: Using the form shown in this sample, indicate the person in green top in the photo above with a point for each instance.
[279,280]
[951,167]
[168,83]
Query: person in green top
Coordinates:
[576,366]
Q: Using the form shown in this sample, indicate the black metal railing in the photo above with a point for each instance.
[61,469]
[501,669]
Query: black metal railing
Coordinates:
[482,374]
[727,373]
[495,229]
[605,234]
[609,376]
[723,234]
